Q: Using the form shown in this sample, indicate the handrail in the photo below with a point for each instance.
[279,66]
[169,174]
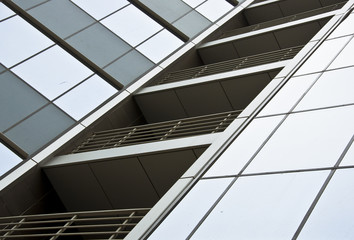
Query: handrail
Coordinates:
[207,124]
[106,224]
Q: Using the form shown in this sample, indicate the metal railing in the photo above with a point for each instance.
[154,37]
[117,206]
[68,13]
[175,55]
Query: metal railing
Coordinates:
[106,224]
[231,65]
[158,131]
[283,20]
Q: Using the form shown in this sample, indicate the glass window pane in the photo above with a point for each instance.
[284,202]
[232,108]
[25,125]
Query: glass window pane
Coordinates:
[332,217]
[62,17]
[289,95]
[345,28]
[5,11]
[192,23]
[332,88]
[214,9]
[136,28]
[191,209]
[345,58]
[52,72]
[26,4]
[193,3]
[273,209]
[2,68]
[100,9]
[7,159]
[129,67]
[160,46]
[99,44]
[169,10]
[241,150]
[322,57]
[85,97]
[15,94]
[39,129]
[349,157]
[19,40]
[306,140]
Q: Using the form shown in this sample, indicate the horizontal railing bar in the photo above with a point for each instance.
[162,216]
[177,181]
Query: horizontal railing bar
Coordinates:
[64,234]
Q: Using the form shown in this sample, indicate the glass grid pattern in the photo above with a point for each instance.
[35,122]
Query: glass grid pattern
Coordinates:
[295,183]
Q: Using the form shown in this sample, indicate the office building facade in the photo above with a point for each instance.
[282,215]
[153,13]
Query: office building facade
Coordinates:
[177,119]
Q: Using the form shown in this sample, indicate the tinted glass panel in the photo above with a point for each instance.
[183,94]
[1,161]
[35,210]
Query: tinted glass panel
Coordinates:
[99,44]
[192,23]
[25,4]
[17,100]
[129,67]
[62,17]
[39,129]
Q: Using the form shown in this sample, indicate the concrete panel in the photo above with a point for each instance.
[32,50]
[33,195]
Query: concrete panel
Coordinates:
[218,53]
[256,44]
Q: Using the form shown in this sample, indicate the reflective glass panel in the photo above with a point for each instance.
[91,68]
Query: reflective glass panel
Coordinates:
[244,146]
[99,44]
[26,4]
[129,67]
[345,28]
[345,58]
[192,23]
[19,40]
[332,88]
[262,207]
[289,95]
[17,100]
[306,140]
[7,159]
[190,210]
[323,56]
[85,97]
[40,128]
[2,68]
[100,9]
[170,10]
[136,26]
[214,9]
[62,17]
[52,72]
[160,46]
[332,217]
[5,11]
[349,157]
[193,3]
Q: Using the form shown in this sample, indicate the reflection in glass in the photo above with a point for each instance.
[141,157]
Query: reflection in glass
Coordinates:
[289,95]
[2,68]
[332,88]
[214,9]
[272,210]
[5,11]
[62,17]
[345,58]
[100,9]
[52,72]
[17,100]
[129,67]
[39,129]
[323,56]
[169,10]
[99,44]
[160,46]
[193,3]
[26,4]
[7,159]
[332,217]
[136,26]
[19,40]
[244,146]
[85,97]
[313,139]
[190,210]
[192,23]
